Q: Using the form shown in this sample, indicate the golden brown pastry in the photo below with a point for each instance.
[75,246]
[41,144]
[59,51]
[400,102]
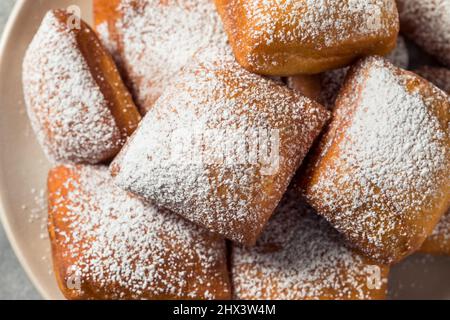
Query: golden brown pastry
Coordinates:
[438,76]
[330,82]
[438,242]
[427,22]
[283,38]
[108,244]
[105,13]
[105,10]
[308,85]
[300,257]
[380,174]
[220,146]
[78,105]
[152,39]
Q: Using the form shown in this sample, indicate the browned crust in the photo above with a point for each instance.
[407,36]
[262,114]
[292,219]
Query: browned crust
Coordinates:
[300,58]
[327,148]
[61,181]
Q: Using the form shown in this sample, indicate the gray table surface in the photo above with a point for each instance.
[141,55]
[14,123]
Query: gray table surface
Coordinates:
[14,284]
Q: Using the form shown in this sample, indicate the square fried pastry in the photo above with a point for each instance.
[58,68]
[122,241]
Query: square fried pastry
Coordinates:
[438,242]
[380,173]
[108,244]
[427,22]
[220,146]
[78,105]
[283,38]
[153,39]
[301,257]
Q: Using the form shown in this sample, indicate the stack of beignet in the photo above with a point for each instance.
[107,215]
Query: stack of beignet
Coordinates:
[321,180]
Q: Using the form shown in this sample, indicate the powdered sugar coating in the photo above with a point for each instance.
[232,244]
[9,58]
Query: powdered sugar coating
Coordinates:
[427,23]
[317,21]
[388,145]
[214,96]
[280,33]
[438,76]
[299,256]
[122,248]
[157,38]
[67,109]
[333,80]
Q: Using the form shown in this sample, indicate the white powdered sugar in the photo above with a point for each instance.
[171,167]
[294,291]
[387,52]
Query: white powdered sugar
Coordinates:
[332,81]
[299,256]
[66,107]
[427,23]
[319,21]
[274,34]
[157,38]
[215,96]
[38,211]
[121,247]
[402,146]
[390,162]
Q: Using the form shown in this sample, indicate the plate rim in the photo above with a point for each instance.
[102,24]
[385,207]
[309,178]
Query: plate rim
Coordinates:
[11,236]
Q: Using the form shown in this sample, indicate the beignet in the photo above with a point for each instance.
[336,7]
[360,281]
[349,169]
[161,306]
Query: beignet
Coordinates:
[283,38]
[154,39]
[220,146]
[300,257]
[427,22]
[108,244]
[78,105]
[380,174]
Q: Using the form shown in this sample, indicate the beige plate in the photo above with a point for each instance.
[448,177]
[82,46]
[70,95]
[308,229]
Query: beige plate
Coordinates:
[23,170]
